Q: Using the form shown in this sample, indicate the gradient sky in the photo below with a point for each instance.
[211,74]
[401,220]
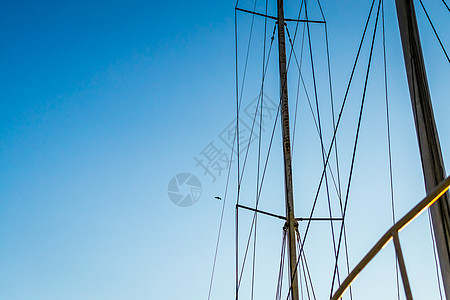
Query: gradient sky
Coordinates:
[103,102]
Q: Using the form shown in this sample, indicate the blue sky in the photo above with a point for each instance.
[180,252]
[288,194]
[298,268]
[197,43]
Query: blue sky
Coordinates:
[102,103]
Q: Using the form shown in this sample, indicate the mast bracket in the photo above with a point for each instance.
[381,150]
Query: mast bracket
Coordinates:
[284,218]
[319,219]
[276,19]
[260,211]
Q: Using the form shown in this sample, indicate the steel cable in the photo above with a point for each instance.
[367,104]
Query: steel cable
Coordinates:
[435,32]
[391,181]
[357,135]
[335,131]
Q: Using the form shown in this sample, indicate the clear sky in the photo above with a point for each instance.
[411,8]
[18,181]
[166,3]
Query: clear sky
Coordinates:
[102,103]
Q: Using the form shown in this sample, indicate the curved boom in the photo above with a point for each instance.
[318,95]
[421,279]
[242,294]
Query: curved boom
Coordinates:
[392,233]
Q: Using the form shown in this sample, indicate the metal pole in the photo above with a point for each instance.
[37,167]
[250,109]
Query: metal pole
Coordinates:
[290,218]
[427,136]
[401,264]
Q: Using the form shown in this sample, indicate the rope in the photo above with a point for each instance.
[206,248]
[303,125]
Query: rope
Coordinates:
[434,30]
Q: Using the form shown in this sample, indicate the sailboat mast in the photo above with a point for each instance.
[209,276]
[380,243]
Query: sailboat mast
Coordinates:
[428,139]
[289,196]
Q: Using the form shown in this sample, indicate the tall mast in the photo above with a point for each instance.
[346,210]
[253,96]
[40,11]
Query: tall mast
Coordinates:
[427,136]
[290,218]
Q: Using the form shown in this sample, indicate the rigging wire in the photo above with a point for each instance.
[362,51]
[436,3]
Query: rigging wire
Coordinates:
[259,148]
[300,77]
[238,104]
[240,176]
[238,280]
[302,265]
[236,137]
[335,144]
[305,279]
[280,273]
[318,122]
[221,221]
[301,285]
[445,3]
[357,136]
[434,30]
[257,105]
[262,180]
[228,173]
[239,100]
[334,135]
[391,180]
[239,277]
[320,133]
[331,95]
[288,64]
[305,265]
[337,125]
[435,254]
[258,192]
[309,104]
[340,116]
[292,52]
[308,294]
